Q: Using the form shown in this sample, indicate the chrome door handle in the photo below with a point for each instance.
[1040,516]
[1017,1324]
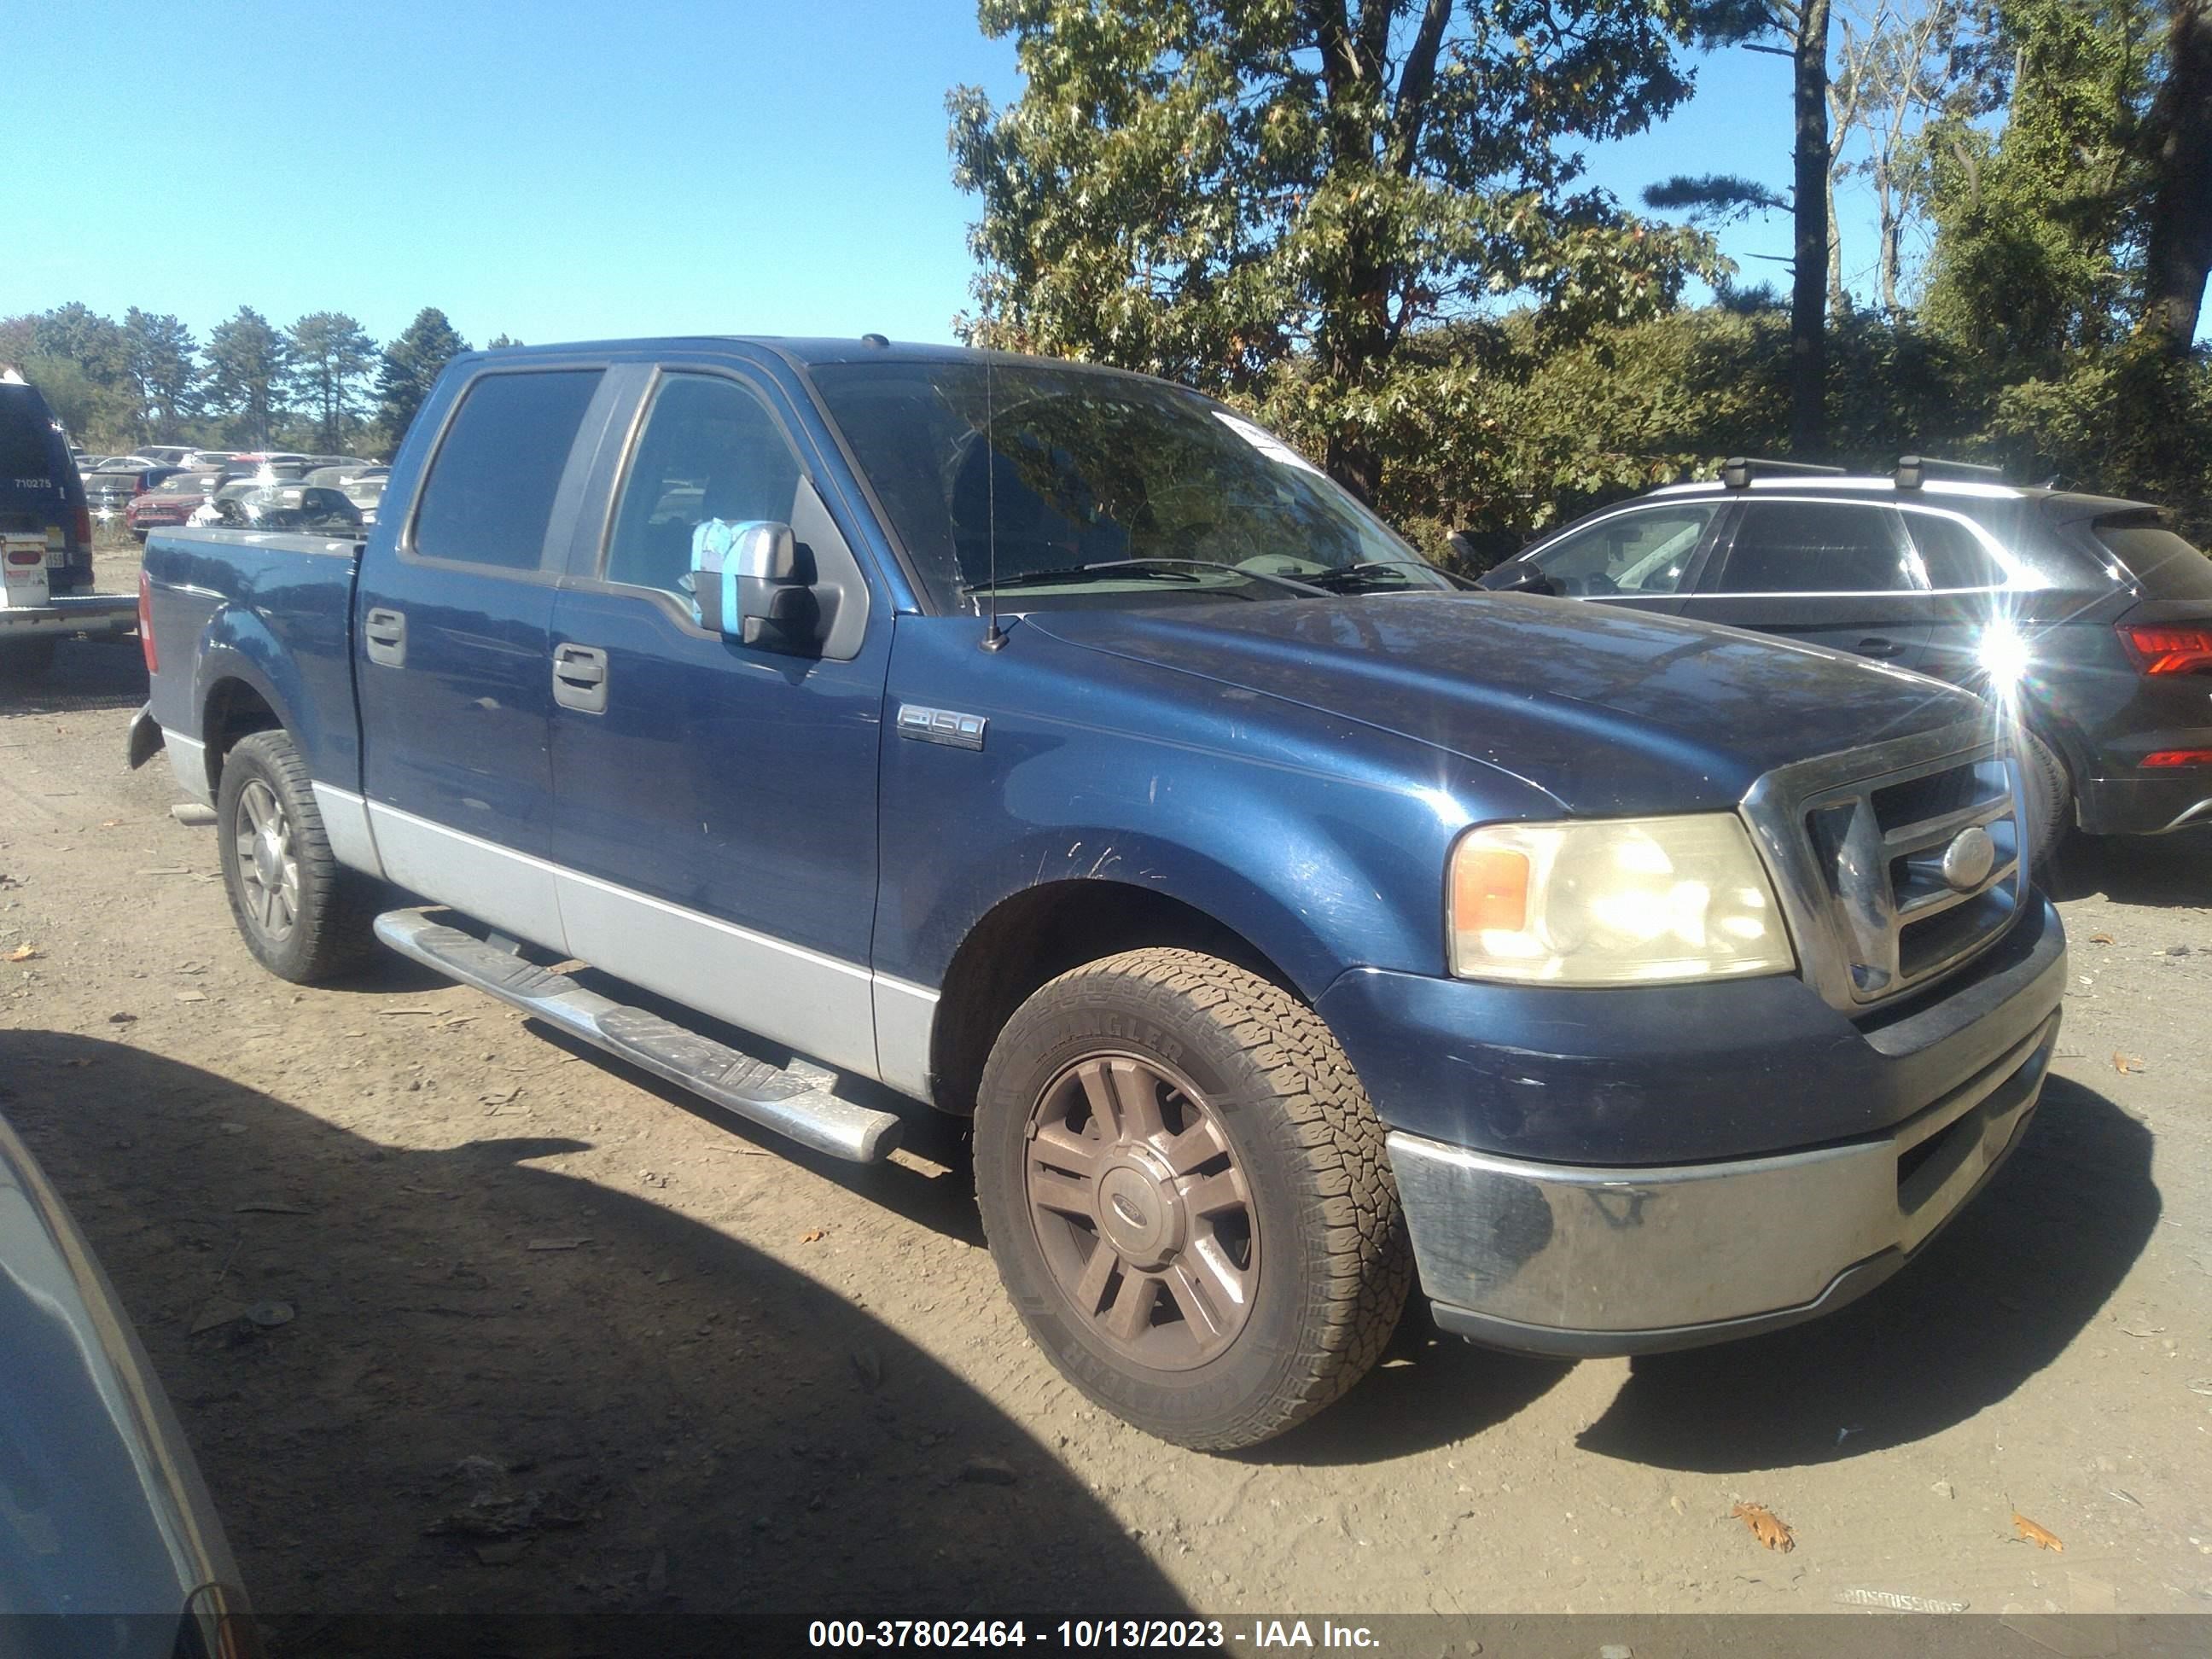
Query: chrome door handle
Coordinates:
[580,677]
[385,634]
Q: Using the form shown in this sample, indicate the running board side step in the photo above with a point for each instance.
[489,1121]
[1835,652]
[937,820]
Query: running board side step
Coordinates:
[790,1104]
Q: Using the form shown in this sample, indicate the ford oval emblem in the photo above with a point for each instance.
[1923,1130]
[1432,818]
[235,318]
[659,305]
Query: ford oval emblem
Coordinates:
[1969,859]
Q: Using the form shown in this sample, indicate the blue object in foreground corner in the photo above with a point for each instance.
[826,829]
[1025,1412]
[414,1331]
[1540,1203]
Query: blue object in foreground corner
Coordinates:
[103,1516]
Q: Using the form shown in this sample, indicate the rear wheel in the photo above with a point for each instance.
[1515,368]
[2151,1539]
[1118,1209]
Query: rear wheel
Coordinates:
[305,916]
[1187,1197]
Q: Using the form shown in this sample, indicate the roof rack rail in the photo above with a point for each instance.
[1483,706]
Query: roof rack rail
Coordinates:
[1913,470]
[1738,470]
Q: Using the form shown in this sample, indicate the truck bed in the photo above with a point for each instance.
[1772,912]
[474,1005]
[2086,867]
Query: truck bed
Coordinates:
[271,608]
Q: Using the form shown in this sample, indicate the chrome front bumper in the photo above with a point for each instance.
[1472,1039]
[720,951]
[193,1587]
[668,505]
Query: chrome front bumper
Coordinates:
[1558,1259]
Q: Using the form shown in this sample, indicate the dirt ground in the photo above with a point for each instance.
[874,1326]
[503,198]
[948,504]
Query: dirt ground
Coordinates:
[565,1339]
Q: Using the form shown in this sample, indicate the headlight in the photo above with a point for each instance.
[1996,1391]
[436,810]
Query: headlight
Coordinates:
[1613,902]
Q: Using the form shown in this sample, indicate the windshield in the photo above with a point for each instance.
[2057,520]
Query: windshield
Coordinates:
[1099,488]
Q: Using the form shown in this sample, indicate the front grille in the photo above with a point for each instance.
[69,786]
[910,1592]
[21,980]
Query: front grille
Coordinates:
[1896,863]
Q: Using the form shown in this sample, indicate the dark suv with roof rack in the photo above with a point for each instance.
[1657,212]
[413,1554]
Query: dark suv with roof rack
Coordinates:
[2089,615]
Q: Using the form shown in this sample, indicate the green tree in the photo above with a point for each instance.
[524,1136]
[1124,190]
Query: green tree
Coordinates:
[81,360]
[246,375]
[1276,200]
[2040,226]
[2178,236]
[411,363]
[160,352]
[502,343]
[1798,30]
[328,356]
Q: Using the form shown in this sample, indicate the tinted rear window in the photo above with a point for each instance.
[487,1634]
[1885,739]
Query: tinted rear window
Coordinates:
[1954,555]
[29,445]
[2167,567]
[490,495]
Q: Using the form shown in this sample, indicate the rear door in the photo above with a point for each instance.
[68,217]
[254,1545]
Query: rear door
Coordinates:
[1974,586]
[716,828]
[451,642]
[1835,572]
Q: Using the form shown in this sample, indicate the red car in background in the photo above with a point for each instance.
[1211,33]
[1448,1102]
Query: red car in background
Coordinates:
[171,502]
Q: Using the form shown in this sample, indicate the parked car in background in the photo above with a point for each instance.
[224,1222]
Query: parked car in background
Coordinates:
[108,1520]
[246,504]
[2088,617]
[166,455]
[365,494]
[111,488]
[200,460]
[170,502]
[41,491]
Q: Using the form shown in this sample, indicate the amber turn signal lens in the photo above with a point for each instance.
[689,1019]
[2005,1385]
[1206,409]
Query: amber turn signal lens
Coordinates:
[1489,891]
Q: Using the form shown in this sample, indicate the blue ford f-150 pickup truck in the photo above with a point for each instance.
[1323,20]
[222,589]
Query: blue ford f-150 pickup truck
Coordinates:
[1055,746]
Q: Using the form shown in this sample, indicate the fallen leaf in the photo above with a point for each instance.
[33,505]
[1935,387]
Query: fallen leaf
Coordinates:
[2125,1063]
[2100,939]
[2040,1537]
[23,953]
[109,823]
[812,1236]
[1765,1526]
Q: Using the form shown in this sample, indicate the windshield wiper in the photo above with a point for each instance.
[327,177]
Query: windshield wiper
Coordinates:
[1363,565]
[1161,569]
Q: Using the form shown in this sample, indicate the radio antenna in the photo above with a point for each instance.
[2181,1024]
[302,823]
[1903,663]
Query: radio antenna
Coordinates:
[992,638]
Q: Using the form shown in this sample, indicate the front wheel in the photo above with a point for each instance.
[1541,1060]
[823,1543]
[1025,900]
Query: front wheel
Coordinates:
[305,916]
[1185,1193]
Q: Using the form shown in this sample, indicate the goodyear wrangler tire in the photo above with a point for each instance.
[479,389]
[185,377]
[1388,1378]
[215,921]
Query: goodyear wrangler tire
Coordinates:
[1185,1193]
[306,917]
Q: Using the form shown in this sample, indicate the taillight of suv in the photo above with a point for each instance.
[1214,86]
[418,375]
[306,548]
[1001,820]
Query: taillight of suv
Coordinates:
[2165,648]
[146,623]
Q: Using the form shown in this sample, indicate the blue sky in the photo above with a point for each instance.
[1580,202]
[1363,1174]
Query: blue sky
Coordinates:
[566,171]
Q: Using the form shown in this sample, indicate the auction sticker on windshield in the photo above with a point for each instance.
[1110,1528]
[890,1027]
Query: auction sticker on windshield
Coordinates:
[1266,443]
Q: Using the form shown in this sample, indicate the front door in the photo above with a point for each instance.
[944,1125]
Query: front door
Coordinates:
[451,642]
[716,835]
[1640,558]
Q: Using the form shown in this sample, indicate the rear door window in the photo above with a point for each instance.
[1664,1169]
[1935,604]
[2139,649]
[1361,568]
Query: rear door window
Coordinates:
[2166,565]
[1953,554]
[1816,547]
[489,497]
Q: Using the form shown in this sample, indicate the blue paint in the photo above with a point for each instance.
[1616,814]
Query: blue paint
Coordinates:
[1296,771]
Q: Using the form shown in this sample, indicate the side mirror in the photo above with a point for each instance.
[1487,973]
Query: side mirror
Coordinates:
[748,585]
[1529,578]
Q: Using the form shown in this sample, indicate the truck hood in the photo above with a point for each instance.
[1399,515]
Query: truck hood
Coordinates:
[1609,711]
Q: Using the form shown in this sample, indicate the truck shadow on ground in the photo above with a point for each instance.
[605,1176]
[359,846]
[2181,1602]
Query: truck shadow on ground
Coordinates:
[2172,870]
[1995,1298]
[509,1389]
[88,675]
